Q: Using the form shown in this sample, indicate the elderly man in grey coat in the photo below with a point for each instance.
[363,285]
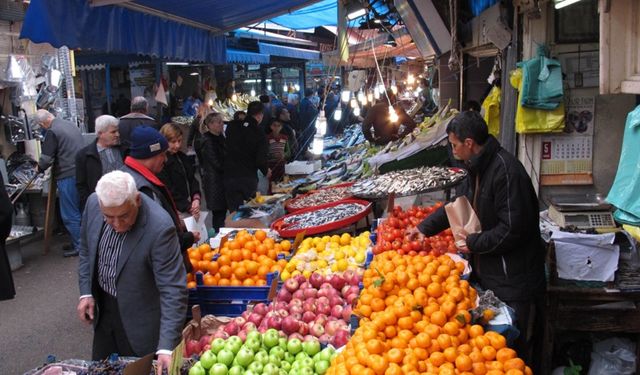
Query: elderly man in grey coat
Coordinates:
[132,281]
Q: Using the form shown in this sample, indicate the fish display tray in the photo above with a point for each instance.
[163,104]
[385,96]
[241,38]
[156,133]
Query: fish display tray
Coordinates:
[450,184]
[282,228]
[290,205]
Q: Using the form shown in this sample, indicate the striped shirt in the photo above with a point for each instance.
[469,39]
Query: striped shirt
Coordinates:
[109,249]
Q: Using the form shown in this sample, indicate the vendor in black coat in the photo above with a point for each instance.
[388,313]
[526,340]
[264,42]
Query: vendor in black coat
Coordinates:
[7,290]
[247,152]
[99,158]
[210,148]
[507,256]
[178,174]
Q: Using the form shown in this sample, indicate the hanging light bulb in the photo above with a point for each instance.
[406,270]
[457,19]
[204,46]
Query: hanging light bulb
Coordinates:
[376,95]
[381,88]
[361,98]
[337,115]
[356,111]
[394,89]
[393,116]
[370,97]
[253,92]
[345,95]
[411,79]
[321,124]
[234,97]
[297,87]
[210,102]
[269,87]
[285,88]
[354,103]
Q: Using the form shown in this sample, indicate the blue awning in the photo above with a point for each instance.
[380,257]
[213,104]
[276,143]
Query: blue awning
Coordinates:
[73,23]
[245,57]
[324,13]
[284,51]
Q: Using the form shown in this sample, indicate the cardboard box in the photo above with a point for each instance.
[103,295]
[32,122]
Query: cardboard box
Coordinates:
[586,257]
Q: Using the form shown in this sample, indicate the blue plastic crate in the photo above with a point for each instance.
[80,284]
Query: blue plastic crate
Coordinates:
[231,293]
[354,321]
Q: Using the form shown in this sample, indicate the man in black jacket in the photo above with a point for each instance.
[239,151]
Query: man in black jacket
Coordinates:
[137,117]
[247,152]
[98,158]
[507,255]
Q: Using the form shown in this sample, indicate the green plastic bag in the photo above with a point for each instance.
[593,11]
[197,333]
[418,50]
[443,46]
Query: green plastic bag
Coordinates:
[491,110]
[530,120]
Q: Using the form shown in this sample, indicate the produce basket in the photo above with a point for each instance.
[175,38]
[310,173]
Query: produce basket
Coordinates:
[287,226]
[232,300]
[293,205]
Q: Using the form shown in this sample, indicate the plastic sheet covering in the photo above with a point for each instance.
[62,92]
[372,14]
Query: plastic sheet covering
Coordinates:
[73,23]
[625,190]
[296,53]
[235,56]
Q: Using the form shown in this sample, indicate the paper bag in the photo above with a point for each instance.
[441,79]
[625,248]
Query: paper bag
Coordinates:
[198,226]
[462,220]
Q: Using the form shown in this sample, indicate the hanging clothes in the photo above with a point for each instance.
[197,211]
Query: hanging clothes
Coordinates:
[625,190]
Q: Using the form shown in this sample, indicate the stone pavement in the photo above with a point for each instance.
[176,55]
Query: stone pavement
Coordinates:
[41,319]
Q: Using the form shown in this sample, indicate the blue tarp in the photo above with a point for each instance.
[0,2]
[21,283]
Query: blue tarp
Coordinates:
[296,53]
[236,56]
[477,6]
[73,23]
[324,13]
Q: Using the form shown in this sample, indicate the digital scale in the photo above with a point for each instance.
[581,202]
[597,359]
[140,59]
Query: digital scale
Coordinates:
[581,210]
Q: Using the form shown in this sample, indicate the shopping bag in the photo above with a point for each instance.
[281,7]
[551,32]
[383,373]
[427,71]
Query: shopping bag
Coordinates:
[530,120]
[491,110]
[199,225]
[462,220]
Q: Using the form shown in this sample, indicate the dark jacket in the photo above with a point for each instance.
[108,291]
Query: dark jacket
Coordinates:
[247,149]
[152,187]
[384,130]
[129,122]
[508,255]
[7,289]
[210,149]
[62,142]
[89,170]
[179,177]
[307,115]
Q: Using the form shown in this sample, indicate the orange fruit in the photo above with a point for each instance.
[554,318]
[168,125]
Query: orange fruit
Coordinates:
[434,290]
[489,353]
[514,363]
[240,273]
[463,363]
[225,271]
[438,318]
[375,346]
[191,285]
[505,354]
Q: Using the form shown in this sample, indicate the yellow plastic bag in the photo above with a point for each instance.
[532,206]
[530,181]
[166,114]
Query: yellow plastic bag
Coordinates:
[491,110]
[633,231]
[530,120]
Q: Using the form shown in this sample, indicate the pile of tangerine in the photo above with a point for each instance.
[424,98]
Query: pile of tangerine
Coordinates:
[245,260]
[415,319]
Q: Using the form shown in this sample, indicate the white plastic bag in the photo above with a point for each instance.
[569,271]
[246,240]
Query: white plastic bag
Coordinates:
[614,356]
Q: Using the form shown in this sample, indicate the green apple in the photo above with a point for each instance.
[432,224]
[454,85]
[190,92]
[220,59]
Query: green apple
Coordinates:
[278,351]
[311,347]
[254,335]
[218,369]
[286,366]
[321,367]
[217,345]
[307,362]
[244,357]
[270,369]
[225,357]
[282,342]
[306,371]
[326,354]
[256,367]
[289,357]
[236,370]
[233,346]
[207,359]
[270,339]
[197,369]
[274,359]
[294,346]
[262,358]
[253,344]
[302,355]
[250,372]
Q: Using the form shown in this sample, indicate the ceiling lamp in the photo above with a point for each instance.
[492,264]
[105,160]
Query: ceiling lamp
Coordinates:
[563,3]
[356,14]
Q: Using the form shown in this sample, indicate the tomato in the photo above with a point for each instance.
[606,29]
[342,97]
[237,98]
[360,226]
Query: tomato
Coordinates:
[396,244]
[416,246]
[406,247]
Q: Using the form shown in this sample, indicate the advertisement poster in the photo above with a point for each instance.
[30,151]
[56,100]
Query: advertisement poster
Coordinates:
[567,159]
[143,78]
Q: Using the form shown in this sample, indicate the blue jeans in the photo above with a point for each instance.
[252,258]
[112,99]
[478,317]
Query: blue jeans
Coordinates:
[70,208]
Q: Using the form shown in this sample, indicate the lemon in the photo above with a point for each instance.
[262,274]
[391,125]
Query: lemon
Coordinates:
[335,238]
[326,239]
[334,267]
[306,274]
[285,275]
[338,255]
[342,265]
[360,257]
[345,239]
[295,273]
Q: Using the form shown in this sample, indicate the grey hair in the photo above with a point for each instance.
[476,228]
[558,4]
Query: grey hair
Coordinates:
[115,188]
[204,125]
[139,104]
[42,115]
[292,97]
[104,122]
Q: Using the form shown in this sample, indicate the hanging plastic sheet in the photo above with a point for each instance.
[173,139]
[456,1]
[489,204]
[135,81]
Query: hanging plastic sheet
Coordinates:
[530,120]
[491,110]
[625,190]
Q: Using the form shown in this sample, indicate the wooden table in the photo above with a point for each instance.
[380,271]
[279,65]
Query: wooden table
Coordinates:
[586,309]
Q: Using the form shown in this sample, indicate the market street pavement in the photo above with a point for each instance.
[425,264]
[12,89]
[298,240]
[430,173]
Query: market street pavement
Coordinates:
[42,319]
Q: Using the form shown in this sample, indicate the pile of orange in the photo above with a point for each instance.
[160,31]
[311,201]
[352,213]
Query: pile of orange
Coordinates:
[415,320]
[245,260]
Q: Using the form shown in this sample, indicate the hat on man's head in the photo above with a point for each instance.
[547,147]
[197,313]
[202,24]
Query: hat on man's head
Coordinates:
[146,142]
